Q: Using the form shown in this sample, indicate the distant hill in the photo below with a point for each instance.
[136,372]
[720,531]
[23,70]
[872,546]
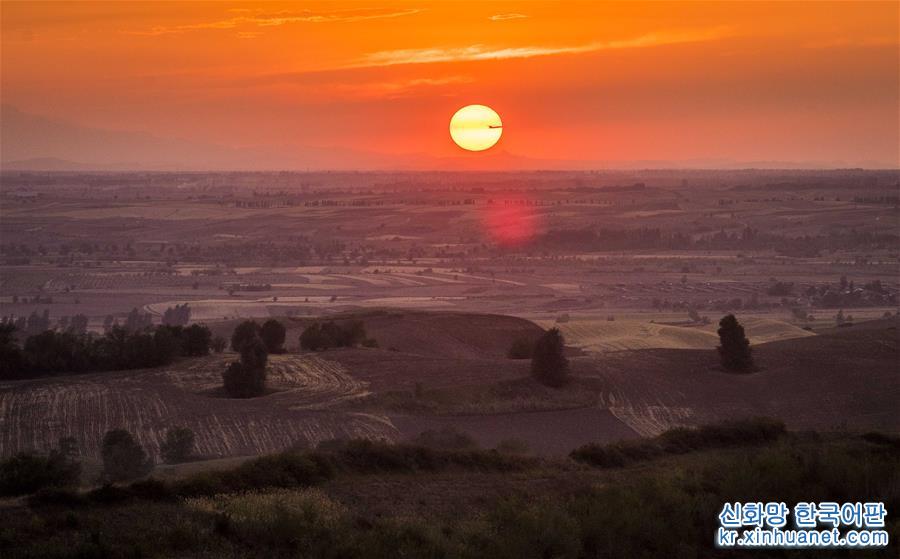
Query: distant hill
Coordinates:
[56,164]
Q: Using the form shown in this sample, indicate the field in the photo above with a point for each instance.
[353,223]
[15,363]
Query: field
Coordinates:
[449,371]
[447,271]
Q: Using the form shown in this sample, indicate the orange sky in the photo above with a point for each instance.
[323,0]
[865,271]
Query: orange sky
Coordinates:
[611,82]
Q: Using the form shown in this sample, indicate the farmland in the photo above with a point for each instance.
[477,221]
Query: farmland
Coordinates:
[447,271]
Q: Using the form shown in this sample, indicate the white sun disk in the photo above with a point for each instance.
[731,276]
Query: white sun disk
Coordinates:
[476,127]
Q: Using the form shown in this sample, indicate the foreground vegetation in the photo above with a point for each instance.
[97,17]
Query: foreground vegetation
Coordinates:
[312,503]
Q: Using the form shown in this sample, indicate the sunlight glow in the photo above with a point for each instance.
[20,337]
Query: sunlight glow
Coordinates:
[476,127]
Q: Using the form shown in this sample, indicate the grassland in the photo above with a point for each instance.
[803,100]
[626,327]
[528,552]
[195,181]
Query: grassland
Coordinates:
[382,501]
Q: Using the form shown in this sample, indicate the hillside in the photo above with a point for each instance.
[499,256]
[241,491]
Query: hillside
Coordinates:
[437,370]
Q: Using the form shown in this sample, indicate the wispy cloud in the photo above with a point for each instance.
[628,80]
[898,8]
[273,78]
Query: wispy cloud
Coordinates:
[483,52]
[396,89]
[273,19]
[504,17]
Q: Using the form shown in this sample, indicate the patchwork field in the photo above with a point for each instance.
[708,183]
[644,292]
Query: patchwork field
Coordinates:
[438,369]
[448,270]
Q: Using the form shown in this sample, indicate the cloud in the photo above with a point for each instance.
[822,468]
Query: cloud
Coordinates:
[395,89]
[482,52]
[504,17]
[275,19]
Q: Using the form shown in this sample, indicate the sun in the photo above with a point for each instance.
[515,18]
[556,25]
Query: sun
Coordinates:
[476,127]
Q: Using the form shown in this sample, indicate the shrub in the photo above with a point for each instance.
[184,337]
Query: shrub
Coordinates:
[446,438]
[273,334]
[123,457]
[548,364]
[734,347]
[513,446]
[306,519]
[287,469]
[521,530]
[56,497]
[178,446]
[26,473]
[318,336]
[152,490]
[681,440]
[109,494]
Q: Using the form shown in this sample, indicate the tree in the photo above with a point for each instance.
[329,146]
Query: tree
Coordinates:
[273,334]
[123,457]
[244,332]
[312,339]
[330,334]
[247,378]
[196,340]
[548,364]
[178,446]
[11,361]
[734,347]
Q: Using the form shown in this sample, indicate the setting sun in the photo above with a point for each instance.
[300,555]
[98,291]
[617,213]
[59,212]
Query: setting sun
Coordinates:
[476,127]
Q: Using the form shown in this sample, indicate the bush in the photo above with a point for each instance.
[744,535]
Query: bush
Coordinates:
[520,530]
[152,490]
[304,520]
[123,457]
[513,446]
[681,440]
[548,364]
[285,470]
[178,446]
[109,494]
[26,473]
[734,347]
[273,334]
[318,336]
[446,438]
[520,349]
[56,497]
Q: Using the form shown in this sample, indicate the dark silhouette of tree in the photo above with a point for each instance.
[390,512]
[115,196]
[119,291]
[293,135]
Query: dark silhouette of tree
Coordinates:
[548,364]
[273,334]
[244,332]
[179,315]
[734,347]
[178,446]
[78,325]
[137,321]
[123,457]
[247,378]
[330,334]
[312,339]
[196,339]
[11,361]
